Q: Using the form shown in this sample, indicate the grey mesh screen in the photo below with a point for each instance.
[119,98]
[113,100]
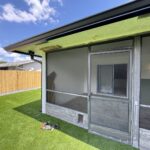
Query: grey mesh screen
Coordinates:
[67,71]
[145,118]
[110,78]
[112,46]
[145,84]
[73,102]
[108,113]
[107,110]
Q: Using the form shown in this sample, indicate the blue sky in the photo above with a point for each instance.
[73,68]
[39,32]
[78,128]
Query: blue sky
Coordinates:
[20,19]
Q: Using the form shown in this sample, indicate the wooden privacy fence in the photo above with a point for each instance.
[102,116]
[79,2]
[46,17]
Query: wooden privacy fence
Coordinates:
[14,80]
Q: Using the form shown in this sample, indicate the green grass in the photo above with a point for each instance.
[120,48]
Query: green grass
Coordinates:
[20,121]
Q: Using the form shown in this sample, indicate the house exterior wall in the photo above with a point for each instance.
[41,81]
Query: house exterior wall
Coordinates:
[117,45]
[11,68]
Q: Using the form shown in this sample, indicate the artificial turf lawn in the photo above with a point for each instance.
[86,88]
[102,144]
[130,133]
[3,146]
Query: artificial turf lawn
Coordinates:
[20,121]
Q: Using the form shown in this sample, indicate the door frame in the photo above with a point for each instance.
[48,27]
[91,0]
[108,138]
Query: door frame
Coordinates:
[129,86]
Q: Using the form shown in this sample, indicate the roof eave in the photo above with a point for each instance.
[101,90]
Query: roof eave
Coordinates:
[128,10]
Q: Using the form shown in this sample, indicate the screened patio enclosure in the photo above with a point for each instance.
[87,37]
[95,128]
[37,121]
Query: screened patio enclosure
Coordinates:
[94,85]
[96,72]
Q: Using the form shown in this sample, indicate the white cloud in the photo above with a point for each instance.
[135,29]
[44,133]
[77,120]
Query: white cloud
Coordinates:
[12,57]
[10,13]
[2,51]
[20,58]
[38,10]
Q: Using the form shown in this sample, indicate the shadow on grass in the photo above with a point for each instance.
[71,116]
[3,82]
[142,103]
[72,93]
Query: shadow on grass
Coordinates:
[33,110]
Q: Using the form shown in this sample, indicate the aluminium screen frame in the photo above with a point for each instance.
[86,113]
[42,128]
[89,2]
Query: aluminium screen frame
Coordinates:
[129,91]
[125,49]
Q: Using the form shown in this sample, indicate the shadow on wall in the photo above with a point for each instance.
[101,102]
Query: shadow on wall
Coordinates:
[33,110]
[51,85]
[77,103]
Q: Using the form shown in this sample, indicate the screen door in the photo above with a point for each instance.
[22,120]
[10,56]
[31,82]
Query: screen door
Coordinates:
[110,94]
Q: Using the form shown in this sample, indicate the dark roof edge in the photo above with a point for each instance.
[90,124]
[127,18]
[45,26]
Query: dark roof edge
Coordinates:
[135,8]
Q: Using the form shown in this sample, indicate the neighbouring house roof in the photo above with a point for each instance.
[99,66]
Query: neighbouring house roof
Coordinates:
[127,20]
[15,64]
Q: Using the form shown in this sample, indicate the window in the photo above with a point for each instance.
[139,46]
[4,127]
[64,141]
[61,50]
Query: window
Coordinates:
[105,79]
[112,79]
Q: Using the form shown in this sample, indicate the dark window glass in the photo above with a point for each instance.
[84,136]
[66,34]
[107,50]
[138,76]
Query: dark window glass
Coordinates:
[120,79]
[112,79]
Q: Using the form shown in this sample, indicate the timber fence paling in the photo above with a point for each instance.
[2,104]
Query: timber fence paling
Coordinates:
[13,80]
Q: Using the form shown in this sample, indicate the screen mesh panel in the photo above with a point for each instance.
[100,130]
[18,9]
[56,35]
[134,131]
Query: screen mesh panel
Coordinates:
[73,102]
[145,84]
[67,71]
[111,114]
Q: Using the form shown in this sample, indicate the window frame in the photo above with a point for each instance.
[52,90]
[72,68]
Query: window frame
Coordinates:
[113,80]
[63,92]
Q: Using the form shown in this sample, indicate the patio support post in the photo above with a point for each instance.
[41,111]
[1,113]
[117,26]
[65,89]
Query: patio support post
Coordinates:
[89,88]
[43,82]
[136,91]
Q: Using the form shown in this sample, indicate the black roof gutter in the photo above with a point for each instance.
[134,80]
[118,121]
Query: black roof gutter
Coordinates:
[132,9]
